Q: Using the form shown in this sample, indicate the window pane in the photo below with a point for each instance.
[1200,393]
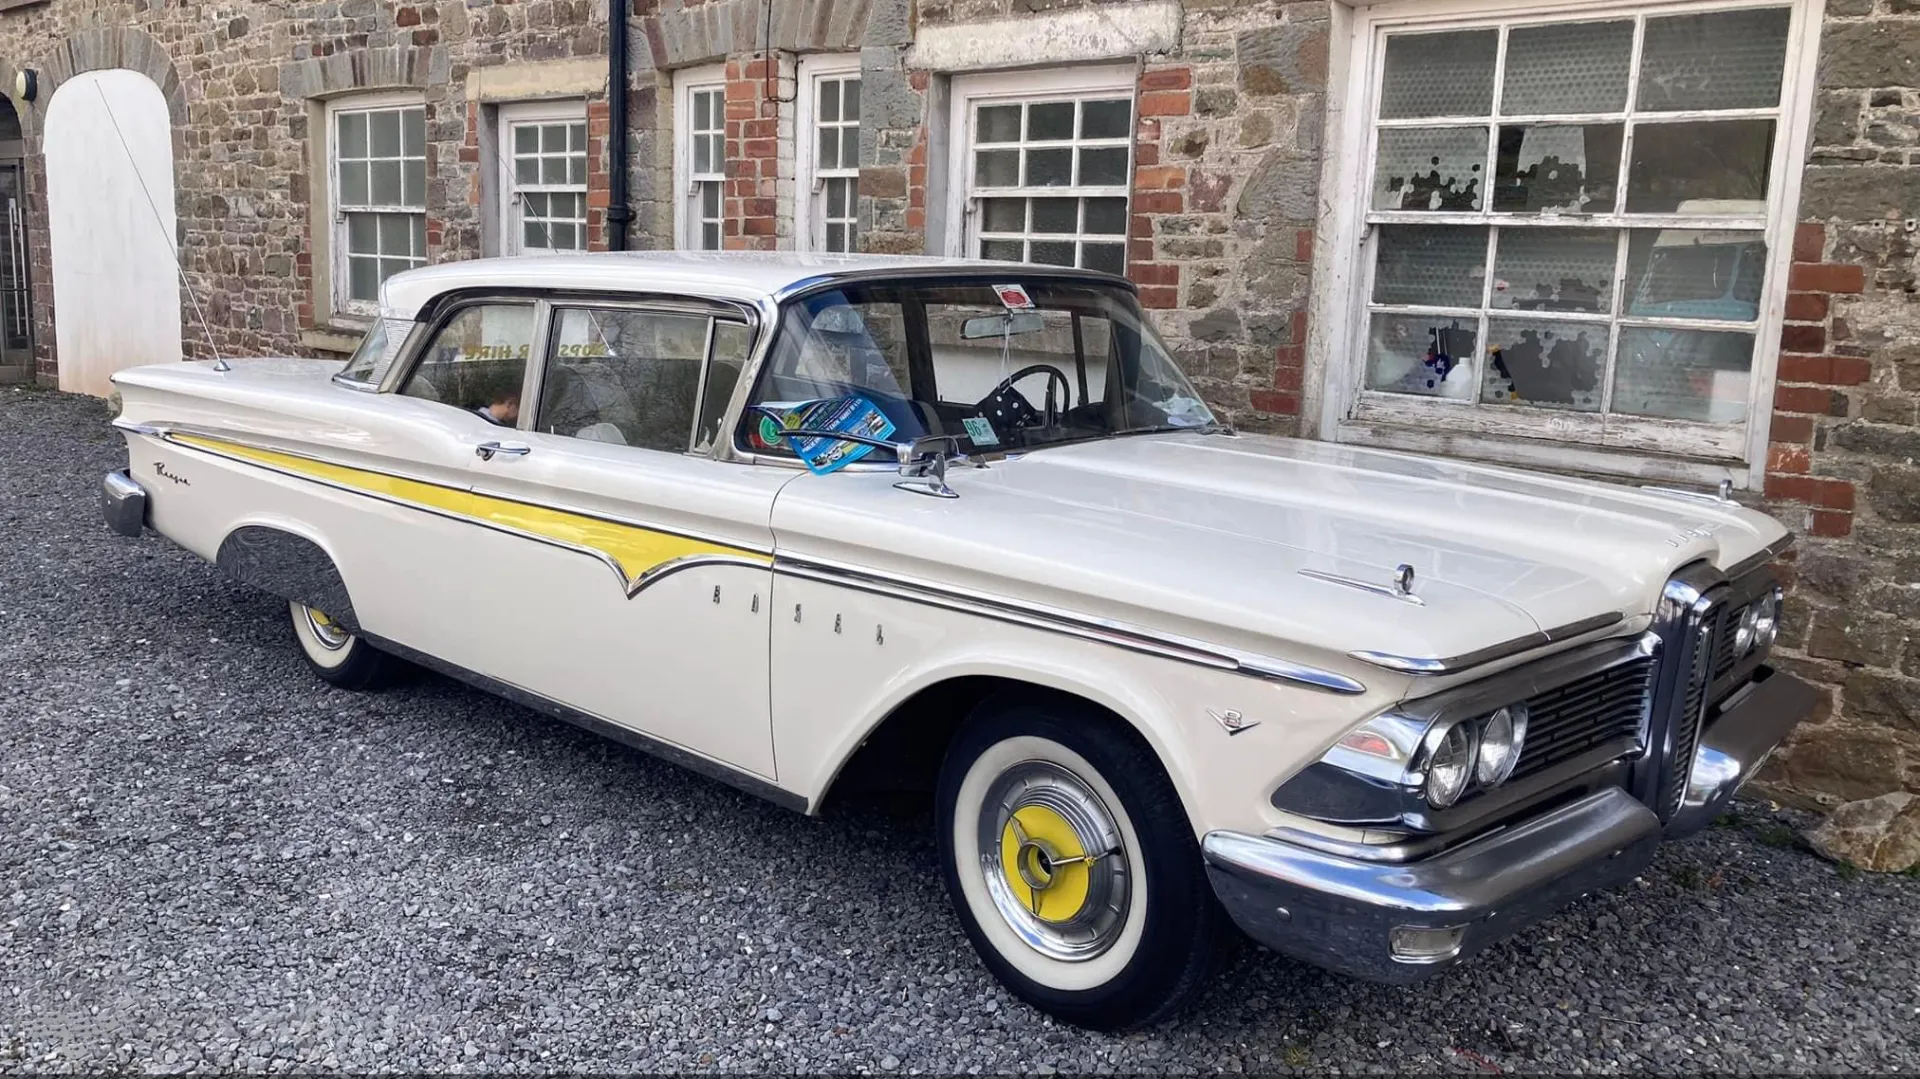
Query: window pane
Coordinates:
[576,137]
[1701,167]
[625,377]
[836,237]
[387,190]
[1431,265]
[1107,216]
[1003,215]
[553,170]
[996,168]
[1446,74]
[702,155]
[850,100]
[1005,250]
[829,147]
[477,362]
[1719,60]
[576,170]
[998,123]
[1056,215]
[702,110]
[414,132]
[1108,258]
[836,201]
[1567,67]
[414,182]
[363,234]
[553,139]
[353,134]
[1050,120]
[849,147]
[526,170]
[710,199]
[419,234]
[1422,354]
[353,184]
[396,234]
[1555,364]
[829,100]
[363,279]
[1106,119]
[1053,252]
[384,128]
[389,267]
[1555,270]
[1429,168]
[731,343]
[1558,168]
[1103,166]
[534,236]
[1049,168]
[526,139]
[565,236]
[1692,273]
[710,237]
[1696,375]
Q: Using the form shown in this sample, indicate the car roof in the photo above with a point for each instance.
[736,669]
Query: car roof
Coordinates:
[748,276]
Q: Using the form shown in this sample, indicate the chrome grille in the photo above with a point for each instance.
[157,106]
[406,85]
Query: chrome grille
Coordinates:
[1724,621]
[1606,707]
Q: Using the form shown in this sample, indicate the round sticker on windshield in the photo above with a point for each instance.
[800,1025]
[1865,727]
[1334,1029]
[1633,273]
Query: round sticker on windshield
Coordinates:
[769,433]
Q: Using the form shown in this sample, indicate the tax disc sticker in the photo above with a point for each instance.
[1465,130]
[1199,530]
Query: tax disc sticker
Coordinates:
[1014,297]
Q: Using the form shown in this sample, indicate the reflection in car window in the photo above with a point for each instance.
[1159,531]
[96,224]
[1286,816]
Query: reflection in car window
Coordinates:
[477,362]
[947,357]
[377,351]
[731,340]
[629,377]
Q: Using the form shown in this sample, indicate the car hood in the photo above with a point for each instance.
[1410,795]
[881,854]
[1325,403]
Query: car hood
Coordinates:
[1208,536]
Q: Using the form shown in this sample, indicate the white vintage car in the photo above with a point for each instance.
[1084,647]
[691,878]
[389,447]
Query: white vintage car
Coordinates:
[797,522]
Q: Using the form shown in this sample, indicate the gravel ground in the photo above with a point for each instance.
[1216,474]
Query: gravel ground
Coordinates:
[210,859]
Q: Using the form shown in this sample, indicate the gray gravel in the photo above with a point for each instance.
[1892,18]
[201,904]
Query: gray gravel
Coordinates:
[209,859]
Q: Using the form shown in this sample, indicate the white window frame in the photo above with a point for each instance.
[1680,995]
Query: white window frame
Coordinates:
[1648,448]
[510,207]
[1106,80]
[809,203]
[336,218]
[686,197]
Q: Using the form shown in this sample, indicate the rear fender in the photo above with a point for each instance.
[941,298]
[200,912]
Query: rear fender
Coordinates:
[281,559]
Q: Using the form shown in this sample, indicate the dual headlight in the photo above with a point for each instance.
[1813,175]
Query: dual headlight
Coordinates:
[1757,625]
[1463,752]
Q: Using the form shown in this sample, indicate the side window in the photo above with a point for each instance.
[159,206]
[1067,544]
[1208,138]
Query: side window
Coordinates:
[627,377]
[731,340]
[477,362]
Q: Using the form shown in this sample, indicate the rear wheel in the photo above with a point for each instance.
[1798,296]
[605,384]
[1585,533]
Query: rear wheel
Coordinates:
[1073,867]
[336,655]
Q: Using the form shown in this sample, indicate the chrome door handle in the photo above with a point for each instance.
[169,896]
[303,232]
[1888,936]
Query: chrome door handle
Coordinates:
[486,450]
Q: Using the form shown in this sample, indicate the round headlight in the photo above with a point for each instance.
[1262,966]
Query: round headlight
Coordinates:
[1766,628]
[1450,766]
[1743,634]
[1500,739]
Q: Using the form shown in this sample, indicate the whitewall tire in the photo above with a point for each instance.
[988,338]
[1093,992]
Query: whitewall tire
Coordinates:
[334,654]
[1072,865]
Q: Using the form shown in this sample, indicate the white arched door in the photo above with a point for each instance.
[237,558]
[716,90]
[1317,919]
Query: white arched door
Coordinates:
[108,141]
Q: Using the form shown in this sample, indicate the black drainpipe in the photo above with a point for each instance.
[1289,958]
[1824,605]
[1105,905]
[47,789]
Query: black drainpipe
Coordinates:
[618,212]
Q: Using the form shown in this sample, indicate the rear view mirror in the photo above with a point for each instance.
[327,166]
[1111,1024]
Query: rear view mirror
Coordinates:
[1013,322]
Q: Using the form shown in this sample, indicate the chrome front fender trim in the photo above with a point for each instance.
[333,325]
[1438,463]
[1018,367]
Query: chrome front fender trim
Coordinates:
[1429,666]
[693,561]
[1054,620]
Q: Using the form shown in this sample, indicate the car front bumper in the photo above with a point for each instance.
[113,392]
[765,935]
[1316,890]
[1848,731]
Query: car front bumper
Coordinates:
[123,504]
[1400,922]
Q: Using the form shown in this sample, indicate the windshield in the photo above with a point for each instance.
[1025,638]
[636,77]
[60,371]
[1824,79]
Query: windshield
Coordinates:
[369,362]
[1003,364]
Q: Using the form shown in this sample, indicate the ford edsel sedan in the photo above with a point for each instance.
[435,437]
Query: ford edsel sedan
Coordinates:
[803,523]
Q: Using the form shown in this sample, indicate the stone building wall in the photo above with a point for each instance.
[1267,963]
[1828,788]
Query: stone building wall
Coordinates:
[241,78]
[1844,468]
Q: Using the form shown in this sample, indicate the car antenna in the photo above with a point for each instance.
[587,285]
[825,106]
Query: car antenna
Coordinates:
[219,361]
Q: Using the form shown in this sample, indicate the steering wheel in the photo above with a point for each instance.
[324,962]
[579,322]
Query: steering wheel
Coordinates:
[1053,376]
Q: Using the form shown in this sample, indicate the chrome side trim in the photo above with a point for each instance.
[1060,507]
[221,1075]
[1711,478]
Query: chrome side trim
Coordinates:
[1759,558]
[1428,666]
[1085,627]
[1384,590]
[363,387]
[672,566]
[1716,498]
[133,428]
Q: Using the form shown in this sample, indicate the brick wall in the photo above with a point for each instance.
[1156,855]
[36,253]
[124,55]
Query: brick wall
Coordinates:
[1843,468]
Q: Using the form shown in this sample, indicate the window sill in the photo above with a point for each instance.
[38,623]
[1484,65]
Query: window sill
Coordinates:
[341,339]
[1543,455]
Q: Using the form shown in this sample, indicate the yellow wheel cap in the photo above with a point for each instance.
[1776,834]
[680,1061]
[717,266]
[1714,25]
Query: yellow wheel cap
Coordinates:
[1044,863]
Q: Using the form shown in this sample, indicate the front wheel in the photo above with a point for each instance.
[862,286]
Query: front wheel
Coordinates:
[334,654]
[1072,865]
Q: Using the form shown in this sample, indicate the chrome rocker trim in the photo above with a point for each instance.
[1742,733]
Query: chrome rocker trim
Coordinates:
[1427,667]
[1054,620]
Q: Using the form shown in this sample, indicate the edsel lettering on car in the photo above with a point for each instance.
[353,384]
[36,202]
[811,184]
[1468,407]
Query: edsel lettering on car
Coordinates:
[793,520]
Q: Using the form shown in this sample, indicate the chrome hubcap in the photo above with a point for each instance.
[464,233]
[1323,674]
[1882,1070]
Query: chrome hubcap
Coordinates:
[326,630]
[1054,861]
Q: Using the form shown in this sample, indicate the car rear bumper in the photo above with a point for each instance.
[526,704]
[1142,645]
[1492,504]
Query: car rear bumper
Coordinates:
[1400,922]
[123,504]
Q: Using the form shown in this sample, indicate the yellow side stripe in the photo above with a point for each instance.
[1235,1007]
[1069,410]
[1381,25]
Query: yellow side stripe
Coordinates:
[634,550]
